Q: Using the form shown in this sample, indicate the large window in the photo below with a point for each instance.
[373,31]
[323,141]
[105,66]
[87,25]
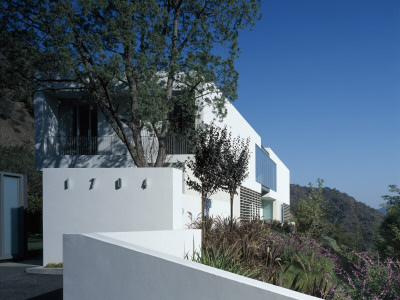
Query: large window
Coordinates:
[77,128]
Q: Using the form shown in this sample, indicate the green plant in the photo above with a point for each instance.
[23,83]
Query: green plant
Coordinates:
[18,159]
[35,242]
[150,49]
[235,160]
[34,203]
[389,231]
[310,213]
[206,165]
[269,253]
[368,277]
[50,265]
[54,265]
[225,260]
[244,242]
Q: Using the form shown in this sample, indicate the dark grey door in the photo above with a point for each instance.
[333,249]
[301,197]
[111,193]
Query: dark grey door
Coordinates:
[12,200]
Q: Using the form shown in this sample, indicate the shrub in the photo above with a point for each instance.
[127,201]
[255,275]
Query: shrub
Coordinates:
[266,251]
[305,251]
[18,159]
[369,277]
[225,260]
[54,265]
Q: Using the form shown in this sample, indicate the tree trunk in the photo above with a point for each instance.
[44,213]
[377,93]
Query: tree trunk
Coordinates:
[203,221]
[162,153]
[231,221]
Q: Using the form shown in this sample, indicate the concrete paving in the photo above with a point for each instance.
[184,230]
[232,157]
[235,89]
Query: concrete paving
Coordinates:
[16,284]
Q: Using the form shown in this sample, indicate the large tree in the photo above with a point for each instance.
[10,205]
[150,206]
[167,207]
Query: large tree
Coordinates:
[139,60]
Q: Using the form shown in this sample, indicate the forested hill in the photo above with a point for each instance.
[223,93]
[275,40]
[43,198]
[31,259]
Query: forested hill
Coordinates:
[354,223]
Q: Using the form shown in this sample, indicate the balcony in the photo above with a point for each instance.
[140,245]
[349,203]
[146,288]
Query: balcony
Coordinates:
[111,145]
[265,169]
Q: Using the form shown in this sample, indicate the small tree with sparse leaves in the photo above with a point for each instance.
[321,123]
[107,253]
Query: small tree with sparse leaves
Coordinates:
[206,164]
[235,165]
[389,231]
[310,213]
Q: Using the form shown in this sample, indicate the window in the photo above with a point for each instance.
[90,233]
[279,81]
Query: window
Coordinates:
[77,132]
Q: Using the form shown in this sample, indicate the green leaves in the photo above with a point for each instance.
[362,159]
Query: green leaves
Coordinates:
[206,164]
[389,240]
[310,213]
[141,51]
[20,160]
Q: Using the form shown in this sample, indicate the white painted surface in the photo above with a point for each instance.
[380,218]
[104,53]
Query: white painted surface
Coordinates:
[46,124]
[282,192]
[99,267]
[191,208]
[239,127]
[104,208]
[178,243]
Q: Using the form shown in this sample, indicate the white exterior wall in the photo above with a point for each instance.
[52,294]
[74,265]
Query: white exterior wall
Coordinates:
[239,127]
[46,124]
[191,208]
[220,202]
[178,243]
[104,208]
[282,192]
[100,267]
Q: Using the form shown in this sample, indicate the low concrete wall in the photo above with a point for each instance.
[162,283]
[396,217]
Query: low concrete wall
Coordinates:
[99,267]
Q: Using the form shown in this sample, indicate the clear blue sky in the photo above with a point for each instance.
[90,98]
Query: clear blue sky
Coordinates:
[320,82]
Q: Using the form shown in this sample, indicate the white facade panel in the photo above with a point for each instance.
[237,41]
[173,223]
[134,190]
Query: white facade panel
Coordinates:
[282,192]
[239,127]
[46,124]
[84,207]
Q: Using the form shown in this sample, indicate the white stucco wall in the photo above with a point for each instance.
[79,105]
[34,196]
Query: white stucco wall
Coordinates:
[97,267]
[192,208]
[179,243]
[282,192]
[104,208]
[46,124]
[239,127]
[220,202]
[86,161]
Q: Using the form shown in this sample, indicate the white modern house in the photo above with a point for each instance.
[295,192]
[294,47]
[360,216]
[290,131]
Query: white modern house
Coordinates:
[90,183]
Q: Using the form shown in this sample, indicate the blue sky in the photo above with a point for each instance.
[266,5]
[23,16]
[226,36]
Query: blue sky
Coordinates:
[320,82]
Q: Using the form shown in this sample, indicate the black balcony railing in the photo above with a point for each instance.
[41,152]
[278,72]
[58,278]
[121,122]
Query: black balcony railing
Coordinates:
[112,145]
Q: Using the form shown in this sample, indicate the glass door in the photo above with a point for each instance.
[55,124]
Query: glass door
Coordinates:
[268,206]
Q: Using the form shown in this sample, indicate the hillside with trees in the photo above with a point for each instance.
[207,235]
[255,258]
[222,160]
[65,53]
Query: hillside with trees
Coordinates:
[350,222]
